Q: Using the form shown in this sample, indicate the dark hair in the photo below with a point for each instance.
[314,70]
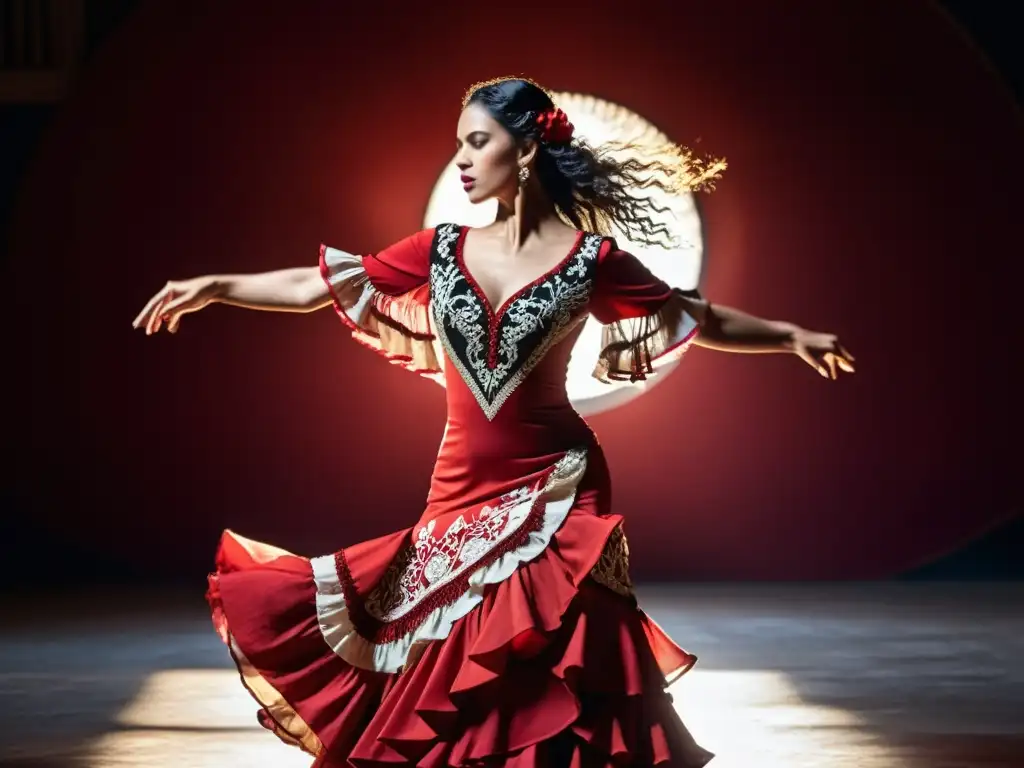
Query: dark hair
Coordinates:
[596,188]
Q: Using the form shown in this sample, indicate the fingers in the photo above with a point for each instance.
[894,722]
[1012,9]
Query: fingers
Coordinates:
[827,356]
[830,363]
[843,358]
[173,319]
[808,358]
[189,301]
[164,309]
[172,311]
[142,318]
[846,360]
[156,316]
[835,364]
[152,315]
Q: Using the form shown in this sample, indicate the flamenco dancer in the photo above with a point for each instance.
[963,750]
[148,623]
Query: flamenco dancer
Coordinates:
[502,628]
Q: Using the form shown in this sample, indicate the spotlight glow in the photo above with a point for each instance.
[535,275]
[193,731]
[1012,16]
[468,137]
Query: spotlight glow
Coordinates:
[203,717]
[598,121]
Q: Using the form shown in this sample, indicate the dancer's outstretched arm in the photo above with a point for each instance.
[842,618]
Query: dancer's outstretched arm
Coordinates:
[731,330]
[300,289]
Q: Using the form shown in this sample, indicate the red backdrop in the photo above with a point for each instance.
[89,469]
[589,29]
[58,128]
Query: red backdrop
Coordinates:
[873,190]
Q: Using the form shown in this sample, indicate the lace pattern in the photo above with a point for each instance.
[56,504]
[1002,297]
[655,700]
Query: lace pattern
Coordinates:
[434,560]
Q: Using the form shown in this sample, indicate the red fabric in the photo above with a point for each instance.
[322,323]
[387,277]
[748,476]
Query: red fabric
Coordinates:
[624,287]
[270,610]
[587,681]
[401,267]
[368,560]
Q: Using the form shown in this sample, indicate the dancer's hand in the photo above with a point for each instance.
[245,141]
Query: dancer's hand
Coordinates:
[177,298]
[823,352]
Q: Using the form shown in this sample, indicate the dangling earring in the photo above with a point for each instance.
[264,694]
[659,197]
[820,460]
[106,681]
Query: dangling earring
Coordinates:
[524,175]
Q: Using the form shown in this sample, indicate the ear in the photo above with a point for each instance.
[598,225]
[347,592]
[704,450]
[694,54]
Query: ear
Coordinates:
[527,151]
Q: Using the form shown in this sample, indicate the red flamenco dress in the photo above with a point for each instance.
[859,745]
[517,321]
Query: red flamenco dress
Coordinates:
[502,628]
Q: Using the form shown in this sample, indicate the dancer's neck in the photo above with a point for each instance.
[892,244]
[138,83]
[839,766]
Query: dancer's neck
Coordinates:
[531,212]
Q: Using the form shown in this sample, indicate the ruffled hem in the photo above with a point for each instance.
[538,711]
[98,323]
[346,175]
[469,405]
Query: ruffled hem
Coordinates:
[546,663]
[541,666]
[262,603]
[633,349]
[396,327]
[275,713]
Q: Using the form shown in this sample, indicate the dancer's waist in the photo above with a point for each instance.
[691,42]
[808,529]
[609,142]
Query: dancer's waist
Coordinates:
[475,452]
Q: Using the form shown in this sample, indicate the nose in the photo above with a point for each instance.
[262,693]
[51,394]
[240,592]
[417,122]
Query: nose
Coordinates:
[461,163]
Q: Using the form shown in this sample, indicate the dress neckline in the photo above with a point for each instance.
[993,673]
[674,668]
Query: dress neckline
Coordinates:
[493,313]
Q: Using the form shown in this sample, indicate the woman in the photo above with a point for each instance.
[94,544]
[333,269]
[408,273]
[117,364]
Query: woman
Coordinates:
[502,628]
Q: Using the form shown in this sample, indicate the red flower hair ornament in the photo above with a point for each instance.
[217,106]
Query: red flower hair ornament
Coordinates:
[555,127]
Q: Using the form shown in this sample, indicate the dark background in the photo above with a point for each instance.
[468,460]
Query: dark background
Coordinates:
[875,194]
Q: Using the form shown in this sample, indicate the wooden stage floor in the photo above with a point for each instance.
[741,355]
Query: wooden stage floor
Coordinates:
[790,676]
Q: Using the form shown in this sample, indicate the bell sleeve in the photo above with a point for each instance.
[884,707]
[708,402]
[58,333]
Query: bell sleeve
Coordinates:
[383,298]
[646,323]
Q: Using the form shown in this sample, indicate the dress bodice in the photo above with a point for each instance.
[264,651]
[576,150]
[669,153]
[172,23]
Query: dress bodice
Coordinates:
[499,353]
[505,368]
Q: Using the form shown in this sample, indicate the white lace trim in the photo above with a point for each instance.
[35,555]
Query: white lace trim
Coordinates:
[355,297]
[340,634]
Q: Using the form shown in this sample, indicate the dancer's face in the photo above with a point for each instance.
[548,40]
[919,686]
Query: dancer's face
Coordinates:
[488,156]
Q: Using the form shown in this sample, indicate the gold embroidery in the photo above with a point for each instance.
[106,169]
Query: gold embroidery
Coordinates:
[612,569]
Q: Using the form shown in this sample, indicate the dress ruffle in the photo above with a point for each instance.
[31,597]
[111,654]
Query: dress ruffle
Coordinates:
[547,663]
[440,579]
[263,607]
[542,665]
[632,349]
[397,327]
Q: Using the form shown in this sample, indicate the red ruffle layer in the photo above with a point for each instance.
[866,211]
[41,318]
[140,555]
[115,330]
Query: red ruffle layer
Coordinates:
[544,672]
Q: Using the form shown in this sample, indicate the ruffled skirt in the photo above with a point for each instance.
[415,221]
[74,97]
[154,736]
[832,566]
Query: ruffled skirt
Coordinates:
[539,656]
